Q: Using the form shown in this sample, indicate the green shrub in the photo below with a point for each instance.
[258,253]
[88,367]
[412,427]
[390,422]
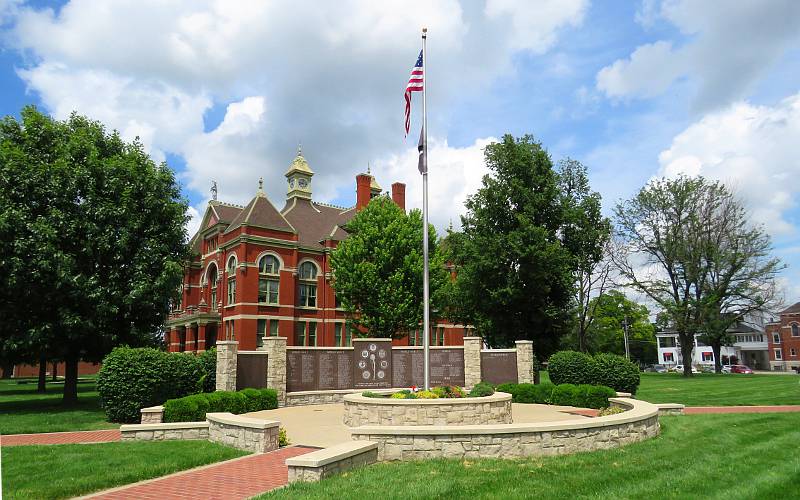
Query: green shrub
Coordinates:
[208,363]
[132,379]
[449,391]
[398,395]
[283,438]
[194,408]
[534,393]
[565,395]
[481,389]
[594,396]
[570,367]
[507,387]
[615,372]
[370,394]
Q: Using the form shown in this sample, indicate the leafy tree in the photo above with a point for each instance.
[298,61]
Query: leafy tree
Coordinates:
[517,259]
[613,312]
[92,238]
[695,256]
[378,270]
[587,234]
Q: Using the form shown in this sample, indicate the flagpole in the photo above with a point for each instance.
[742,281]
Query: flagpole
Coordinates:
[425,286]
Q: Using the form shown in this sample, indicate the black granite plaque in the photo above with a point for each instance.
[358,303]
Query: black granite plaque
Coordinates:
[372,364]
[499,367]
[334,369]
[301,370]
[447,367]
[407,368]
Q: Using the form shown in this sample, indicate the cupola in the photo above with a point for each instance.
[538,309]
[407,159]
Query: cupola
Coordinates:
[299,177]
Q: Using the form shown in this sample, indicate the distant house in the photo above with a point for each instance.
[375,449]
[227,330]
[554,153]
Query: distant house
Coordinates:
[783,337]
[749,347]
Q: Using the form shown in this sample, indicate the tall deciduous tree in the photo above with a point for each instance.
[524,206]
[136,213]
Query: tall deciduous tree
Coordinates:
[521,236]
[92,239]
[378,269]
[587,234]
[686,248]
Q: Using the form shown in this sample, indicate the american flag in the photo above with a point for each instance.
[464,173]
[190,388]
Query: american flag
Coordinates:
[415,84]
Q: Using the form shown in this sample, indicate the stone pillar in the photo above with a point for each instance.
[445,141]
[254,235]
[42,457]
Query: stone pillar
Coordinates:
[472,360]
[227,352]
[276,366]
[524,361]
[191,335]
[201,337]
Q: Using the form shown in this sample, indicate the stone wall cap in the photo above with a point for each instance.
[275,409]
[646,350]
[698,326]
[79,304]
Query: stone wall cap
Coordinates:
[639,411]
[227,342]
[260,353]
[240,421]
[163,426]
[152,409]
[624,394]
[317,348]
[332,454]
[494,398]
[372,339]
[499,350]
[473,338]
[670,406]
[523,341]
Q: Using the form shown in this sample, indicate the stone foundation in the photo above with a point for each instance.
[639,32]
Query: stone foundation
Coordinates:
[162,432]
[638,423]
[244,433]
[320,464]
[360,411]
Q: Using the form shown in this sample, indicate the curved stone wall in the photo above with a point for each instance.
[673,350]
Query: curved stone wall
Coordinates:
[361,411]
[638,423]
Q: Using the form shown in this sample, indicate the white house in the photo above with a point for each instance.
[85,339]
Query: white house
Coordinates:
[749,347]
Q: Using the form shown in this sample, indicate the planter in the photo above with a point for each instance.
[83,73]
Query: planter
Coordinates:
[360,410]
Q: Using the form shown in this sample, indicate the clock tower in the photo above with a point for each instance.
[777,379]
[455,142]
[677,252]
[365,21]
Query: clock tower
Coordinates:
[299,177]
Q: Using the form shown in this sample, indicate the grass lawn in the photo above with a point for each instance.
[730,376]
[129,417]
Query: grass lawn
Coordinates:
[23,410]
[709,389]
[703,456]
[64,471]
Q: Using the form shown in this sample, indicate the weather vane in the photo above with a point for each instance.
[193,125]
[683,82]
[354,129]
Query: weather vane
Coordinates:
[214,190]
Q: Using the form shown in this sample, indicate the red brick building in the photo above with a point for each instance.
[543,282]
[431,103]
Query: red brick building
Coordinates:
[259,271]
[783,337]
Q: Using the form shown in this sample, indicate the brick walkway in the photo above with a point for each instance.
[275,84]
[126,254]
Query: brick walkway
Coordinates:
[105,436]
[699,410]
[235,479]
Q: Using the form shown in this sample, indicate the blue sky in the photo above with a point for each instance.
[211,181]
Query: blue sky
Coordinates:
[227,90]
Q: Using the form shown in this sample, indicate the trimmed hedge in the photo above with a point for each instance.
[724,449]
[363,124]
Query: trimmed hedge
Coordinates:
[570,367]
[481,389]
[134,378]
[194,408]
[601,369]
[584,395]
[617,372]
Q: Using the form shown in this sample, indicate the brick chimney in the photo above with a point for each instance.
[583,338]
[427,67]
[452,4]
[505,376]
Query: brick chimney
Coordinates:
[363,182]
[399,194]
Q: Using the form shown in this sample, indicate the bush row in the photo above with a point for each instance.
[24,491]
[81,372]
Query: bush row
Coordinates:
[131,379]
[194,408]
[584,395]
[572,367]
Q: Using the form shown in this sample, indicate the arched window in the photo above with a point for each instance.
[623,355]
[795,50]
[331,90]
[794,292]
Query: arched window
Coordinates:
[212,283]
[795,330]
[307,275]
[268,279]
[231,270]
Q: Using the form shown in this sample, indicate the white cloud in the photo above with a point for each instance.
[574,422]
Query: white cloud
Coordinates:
[728,46]
[534,24]
[453,174]
[329,75]
[751,148]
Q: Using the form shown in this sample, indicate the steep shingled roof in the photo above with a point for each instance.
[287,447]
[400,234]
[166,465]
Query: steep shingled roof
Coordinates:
[261,213]
[794,308]
[316,222]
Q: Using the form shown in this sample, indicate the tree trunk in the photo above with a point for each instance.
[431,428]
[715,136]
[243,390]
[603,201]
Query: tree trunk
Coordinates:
[716,347]
[70,380]
[581,339]
[8,370]
[55,371]
[687,345]
[42,387]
